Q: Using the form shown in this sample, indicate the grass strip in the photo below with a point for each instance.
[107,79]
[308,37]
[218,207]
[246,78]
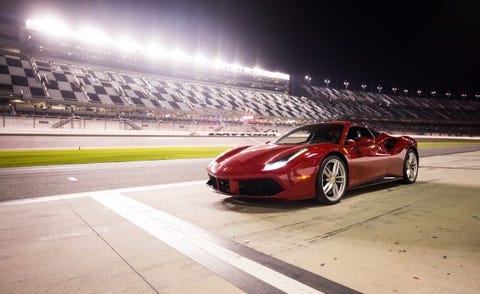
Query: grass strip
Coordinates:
[449,143]
[17,158]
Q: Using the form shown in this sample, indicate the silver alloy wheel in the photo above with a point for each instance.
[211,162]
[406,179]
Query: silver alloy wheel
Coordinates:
[411,166]
[333,179]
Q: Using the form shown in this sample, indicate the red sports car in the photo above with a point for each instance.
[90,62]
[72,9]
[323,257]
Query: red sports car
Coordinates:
[318,161]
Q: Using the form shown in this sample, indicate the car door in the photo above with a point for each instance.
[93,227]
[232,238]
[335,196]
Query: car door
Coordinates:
[367,161]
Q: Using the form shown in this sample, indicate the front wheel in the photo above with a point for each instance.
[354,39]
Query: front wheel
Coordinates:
[331,180]
[410,167]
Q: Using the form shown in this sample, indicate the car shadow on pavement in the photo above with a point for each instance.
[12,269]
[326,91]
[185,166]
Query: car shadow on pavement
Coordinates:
[357,191]
[248,205]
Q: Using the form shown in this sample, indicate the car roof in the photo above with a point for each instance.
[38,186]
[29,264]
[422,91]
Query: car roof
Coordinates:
[344,123]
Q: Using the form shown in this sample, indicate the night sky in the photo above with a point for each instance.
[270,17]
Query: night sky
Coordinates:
[428,45]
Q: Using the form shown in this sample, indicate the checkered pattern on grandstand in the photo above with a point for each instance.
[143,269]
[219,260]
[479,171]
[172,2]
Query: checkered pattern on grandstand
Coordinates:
[67,82]
[57,81]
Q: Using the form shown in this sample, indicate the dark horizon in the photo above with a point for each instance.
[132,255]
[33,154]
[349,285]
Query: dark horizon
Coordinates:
[427,45]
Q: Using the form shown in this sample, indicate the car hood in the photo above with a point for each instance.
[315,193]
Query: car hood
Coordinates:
[251,160]
[260,155]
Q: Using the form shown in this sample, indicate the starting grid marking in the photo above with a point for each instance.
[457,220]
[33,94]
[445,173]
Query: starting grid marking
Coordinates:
[182,236]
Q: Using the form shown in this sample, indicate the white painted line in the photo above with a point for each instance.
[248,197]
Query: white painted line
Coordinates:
[56,167]
[183,236]
[72,179]
[256,141]
[87,194]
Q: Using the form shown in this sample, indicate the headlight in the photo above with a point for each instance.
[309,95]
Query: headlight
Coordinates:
[279,163]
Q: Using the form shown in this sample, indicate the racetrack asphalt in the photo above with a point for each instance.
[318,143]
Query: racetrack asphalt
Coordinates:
[154,227]
[26,182]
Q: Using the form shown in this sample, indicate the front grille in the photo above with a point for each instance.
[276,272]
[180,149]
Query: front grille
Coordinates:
[224,186]
[220,185]
[212,182]
[259,187]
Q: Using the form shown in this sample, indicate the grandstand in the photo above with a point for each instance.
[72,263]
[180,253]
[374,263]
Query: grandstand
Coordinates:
[60,83]
[396,113]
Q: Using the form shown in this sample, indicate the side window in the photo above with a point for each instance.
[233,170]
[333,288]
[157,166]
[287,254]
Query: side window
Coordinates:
[375,133]
[298,137]
[355,133]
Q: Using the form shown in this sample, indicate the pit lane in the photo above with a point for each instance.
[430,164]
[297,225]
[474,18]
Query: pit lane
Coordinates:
[392,238]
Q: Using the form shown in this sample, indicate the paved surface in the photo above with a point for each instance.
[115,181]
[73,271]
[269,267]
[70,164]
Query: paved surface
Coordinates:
[420,238]
[444,150]
[26,182]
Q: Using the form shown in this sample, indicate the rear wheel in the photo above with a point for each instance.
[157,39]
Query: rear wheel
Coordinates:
[331,180]
[410,167]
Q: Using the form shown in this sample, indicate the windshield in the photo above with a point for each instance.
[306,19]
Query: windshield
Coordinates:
[312,134]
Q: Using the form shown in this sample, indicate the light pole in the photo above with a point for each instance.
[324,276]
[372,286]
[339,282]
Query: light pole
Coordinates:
[405,91]
[433,93]
[34,114]
[419,92]
[346,83]
[327,81]
[394,89]
[363,87]
[448,94]
[308,78]
[379,88]
[3,105]
[464,95]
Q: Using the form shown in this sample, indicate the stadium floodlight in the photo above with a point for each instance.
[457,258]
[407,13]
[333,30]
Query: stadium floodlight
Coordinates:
[327,81]
[155,51]
[419,92]
[433,93]
[346,83]
[220,64]
[92,36]
[363,87]
[126,44]
[201,60]
[464,95]
[394,89]
[405,91]
[448,94]
[236,66]
[379,88]
[49,25]
[257,71]
[269,74]
[279,75]
[179,56]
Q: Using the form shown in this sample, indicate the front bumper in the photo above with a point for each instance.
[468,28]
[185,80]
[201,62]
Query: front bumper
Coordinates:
[253,187]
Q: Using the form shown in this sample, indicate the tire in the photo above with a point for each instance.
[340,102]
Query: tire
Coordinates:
[331,180]
[410,167]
